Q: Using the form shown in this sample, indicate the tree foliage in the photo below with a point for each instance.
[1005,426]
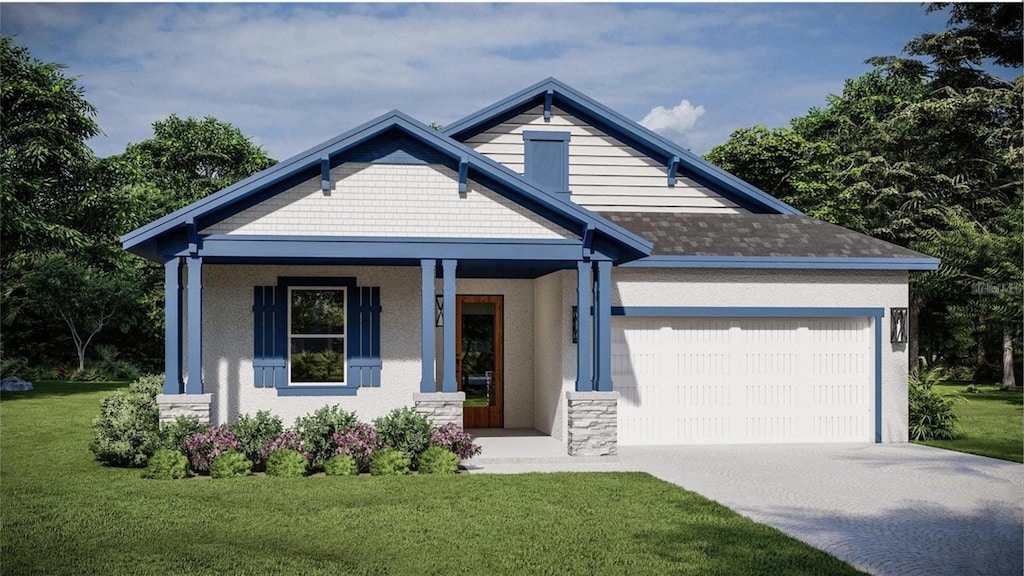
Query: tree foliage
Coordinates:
[924,151]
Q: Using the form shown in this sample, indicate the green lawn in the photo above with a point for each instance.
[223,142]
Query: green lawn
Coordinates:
[991,423]
[63,513]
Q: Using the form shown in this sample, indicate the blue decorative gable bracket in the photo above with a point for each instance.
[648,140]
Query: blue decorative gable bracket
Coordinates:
[325,173]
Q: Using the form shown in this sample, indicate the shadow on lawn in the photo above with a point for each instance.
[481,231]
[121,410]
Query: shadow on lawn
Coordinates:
[60,388]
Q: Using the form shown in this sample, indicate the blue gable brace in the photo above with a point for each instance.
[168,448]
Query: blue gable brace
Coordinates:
[629,131]
[463,175]
[289,172]
[548,96]
[325,173]
[673,168]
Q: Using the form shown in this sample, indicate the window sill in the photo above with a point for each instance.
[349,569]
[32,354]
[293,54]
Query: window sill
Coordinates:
[317,391]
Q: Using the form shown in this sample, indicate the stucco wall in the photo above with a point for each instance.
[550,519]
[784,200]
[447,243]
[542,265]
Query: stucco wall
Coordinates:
[228,345]
[548,335]
[780,288]
[390,200]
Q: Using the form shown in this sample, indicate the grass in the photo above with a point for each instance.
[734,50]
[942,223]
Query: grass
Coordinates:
[64,513]
[991,422]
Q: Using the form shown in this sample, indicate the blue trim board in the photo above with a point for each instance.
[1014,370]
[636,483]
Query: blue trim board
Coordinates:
[548,205]
[448,383]
[427,274]
[767,312]
[743,312]
[318,391]
[603,326]
[625,129]
[785,262]
[194,385]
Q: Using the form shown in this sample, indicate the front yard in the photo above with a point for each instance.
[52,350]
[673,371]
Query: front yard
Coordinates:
[991,422]
[64,513]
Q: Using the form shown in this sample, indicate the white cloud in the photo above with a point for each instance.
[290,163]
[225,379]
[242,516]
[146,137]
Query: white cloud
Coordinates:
[673,122]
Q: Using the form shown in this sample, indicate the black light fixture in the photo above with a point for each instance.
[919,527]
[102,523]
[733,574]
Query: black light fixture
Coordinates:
[439,310]
[575,325]
[898,321]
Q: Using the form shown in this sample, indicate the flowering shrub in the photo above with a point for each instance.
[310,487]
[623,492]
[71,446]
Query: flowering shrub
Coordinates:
[452,437]
[359,442]
[317,428]
[203,447]
[255,433]
[290,440]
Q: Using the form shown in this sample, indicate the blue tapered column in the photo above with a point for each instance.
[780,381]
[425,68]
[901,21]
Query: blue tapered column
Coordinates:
[172,326]
[195,326]
[448,383]
[427,273]
[584,344]
[603,327]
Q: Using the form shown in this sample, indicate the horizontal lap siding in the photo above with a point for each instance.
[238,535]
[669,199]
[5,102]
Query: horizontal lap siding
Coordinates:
[604,173]
[390,200]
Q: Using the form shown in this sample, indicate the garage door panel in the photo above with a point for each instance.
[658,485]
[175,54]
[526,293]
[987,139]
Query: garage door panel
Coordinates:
[716,380]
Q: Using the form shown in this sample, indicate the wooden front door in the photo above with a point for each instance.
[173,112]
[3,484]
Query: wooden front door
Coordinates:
[479,366]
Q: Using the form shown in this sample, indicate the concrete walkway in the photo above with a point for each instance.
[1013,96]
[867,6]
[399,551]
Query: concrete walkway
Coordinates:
[888,509]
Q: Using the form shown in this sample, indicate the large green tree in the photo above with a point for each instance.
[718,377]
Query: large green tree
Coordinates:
[923,151]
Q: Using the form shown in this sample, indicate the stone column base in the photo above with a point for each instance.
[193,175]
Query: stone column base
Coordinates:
[440,407]
[593,423]
[174,405]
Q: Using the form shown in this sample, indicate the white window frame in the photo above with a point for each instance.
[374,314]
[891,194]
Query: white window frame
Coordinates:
[343,336]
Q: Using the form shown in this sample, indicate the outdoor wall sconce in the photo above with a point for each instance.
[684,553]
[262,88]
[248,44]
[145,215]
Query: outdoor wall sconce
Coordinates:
[575,325]
[898,325]
[439,310]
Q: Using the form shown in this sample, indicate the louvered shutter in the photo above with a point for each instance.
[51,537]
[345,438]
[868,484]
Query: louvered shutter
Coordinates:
[547,161]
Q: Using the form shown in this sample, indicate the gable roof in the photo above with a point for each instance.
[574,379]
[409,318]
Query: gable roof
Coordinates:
[549,205]
[738,238]
[553,92]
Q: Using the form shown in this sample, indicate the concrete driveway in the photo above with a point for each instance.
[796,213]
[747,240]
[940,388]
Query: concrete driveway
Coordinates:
[888,509]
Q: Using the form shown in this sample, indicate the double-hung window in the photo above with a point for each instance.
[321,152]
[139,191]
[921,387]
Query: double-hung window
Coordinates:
[316,335]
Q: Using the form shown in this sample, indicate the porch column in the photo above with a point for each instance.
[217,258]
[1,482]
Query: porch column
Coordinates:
[603,327]
[427,273]
[584,344]
[195,326]
[172,326]
[448,383]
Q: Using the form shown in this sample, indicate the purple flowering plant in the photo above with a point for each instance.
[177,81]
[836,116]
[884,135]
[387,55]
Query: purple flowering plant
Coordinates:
[288,439]
[359,442]
[452,437]
[202,447]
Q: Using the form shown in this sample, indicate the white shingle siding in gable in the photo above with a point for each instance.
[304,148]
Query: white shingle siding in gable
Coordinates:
[390,200]
[604,173]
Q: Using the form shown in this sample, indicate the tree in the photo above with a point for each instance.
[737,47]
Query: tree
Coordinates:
[44,123]
[926,152]
[82,298]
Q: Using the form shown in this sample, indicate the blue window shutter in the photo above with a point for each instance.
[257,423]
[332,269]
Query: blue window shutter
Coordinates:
[363,327]
[547,160]
[270,337]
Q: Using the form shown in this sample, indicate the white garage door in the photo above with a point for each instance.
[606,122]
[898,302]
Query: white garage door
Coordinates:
[743,380]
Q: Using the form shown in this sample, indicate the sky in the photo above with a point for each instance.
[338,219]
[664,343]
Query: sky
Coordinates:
[290,76]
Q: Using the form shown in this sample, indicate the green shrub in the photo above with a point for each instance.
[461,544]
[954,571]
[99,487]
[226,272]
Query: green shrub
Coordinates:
[931,415]
[436,460]
[166,465]
[127,431]
[389,462]
[111,366]
[89,374]
[317,429]
[173,434]
[255,433]
[230,464]
[341,465]
[405,430]
[286,463]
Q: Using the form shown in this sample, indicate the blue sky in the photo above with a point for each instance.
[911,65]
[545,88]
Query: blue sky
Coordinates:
[292,75]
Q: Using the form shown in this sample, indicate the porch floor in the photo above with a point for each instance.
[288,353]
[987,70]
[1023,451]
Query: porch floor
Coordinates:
[517,446]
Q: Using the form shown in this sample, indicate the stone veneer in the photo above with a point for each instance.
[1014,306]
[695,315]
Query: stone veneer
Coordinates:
[593,423]
[174,405]
[441,407]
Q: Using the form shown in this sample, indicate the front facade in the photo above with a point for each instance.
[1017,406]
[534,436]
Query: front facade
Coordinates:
[542,264]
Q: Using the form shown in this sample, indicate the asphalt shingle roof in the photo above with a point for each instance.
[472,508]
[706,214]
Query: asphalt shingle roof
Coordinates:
[692,234]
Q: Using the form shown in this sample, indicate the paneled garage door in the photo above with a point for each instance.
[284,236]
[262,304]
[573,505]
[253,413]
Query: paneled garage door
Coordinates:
[743,380]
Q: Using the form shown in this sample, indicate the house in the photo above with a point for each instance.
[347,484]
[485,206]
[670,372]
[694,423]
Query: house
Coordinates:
[544,263]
